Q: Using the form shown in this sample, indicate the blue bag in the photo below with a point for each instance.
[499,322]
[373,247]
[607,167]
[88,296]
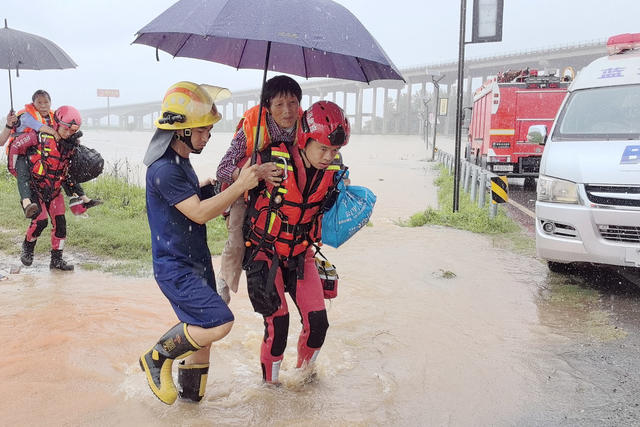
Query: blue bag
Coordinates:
[350,213]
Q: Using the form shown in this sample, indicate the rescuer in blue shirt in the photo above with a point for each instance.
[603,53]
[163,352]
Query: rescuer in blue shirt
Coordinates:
[178,207]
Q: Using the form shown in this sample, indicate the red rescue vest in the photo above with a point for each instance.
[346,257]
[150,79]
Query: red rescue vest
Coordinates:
[287,217]
[49,165]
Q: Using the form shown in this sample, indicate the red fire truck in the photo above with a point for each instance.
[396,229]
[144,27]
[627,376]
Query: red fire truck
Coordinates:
[503,110]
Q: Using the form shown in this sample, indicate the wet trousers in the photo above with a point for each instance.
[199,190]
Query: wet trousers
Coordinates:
[23,176]
[233,252]
[54,209]
[307,294]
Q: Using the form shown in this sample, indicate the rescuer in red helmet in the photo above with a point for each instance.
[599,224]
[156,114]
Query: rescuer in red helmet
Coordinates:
[282,227]
[48,161]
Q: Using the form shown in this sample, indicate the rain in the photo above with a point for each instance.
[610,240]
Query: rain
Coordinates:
[433,325]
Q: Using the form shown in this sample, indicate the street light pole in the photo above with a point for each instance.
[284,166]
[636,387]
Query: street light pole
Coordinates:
[425,122]
[456,169]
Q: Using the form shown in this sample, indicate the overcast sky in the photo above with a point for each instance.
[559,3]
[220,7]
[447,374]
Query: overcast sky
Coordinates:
[98,36]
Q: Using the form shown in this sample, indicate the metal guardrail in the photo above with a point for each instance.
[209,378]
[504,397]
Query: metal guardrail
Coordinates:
[474,180]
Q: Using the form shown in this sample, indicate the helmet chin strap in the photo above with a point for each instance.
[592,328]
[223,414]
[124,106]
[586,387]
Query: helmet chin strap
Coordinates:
[303,153]
[186,139]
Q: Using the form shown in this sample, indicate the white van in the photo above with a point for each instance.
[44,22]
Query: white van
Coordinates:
[588,194]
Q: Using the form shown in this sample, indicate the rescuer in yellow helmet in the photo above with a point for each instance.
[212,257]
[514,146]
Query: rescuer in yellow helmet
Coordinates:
[178,207]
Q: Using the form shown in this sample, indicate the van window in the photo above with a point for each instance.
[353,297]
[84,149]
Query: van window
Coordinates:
[605,113]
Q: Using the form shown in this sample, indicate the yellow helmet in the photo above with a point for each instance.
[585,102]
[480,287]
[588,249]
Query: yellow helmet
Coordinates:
[189,105]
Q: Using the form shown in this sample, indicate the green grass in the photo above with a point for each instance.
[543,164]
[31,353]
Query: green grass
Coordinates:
[505,233]
[116,232]
[469,216]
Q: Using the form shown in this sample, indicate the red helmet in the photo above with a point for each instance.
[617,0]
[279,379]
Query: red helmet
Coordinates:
[69,117]
[325,122]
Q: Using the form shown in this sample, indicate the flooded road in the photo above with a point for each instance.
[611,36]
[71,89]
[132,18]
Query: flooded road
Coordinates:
[432,326]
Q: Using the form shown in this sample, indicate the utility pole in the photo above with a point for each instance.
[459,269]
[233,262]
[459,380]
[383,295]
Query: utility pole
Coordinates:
[456,166]
[487,27]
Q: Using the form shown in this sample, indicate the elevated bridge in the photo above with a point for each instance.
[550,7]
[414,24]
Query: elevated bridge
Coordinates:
[383,106]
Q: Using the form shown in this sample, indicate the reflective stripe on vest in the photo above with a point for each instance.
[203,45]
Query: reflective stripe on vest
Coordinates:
[281,215]
[48,166]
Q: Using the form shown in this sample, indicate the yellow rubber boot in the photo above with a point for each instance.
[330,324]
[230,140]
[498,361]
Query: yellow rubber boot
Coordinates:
[192,380]
[158,361]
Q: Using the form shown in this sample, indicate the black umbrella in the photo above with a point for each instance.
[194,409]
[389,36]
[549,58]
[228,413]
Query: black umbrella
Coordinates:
[309,38]
[20,50]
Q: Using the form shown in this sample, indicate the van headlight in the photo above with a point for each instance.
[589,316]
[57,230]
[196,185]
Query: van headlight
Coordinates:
[557,190]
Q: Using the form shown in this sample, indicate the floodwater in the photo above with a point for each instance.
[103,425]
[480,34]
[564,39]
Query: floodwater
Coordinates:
[432,326]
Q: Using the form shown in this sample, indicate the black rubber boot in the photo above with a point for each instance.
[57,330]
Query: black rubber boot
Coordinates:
[157,362]
[93,202]
[192,380]
[27,252]
[57,262]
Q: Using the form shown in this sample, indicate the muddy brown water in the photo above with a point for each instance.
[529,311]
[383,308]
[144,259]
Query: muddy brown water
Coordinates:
[432,326]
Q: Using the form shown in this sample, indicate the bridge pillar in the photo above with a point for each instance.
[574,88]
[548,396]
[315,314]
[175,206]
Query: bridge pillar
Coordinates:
[385,111]
[374,100]
[468,95]
[408,116]
[453,108]
[359,101]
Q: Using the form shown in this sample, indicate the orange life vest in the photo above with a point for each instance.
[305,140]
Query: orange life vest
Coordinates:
[249,122]
[31,109]
[287,217]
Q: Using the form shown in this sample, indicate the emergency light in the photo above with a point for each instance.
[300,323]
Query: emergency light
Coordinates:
[622,42]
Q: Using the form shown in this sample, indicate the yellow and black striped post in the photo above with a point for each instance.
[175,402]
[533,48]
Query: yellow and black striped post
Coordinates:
[499,189]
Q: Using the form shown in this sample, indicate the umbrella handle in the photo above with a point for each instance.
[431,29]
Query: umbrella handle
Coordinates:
[10,90]
[254,155]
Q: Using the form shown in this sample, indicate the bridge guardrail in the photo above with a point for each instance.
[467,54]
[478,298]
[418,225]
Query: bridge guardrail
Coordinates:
[474,180]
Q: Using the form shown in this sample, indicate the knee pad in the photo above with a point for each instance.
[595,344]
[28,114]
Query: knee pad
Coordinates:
[61,226]
[318,325]
[261,287]
[40,225]
[280,332]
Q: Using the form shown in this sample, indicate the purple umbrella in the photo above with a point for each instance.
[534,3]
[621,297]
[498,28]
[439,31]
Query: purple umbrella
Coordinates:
[309,38]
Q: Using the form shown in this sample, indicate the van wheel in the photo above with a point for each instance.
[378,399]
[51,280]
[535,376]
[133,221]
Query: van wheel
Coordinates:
[529,183]
[559,267]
